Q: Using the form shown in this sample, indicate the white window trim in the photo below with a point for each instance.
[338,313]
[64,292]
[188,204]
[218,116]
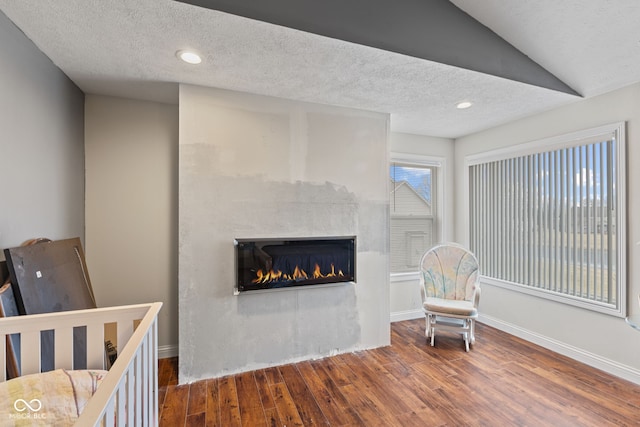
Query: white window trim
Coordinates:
[433,161]
[548,144]
[405,277]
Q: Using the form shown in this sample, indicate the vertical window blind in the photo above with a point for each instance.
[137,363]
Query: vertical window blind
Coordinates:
[549,220]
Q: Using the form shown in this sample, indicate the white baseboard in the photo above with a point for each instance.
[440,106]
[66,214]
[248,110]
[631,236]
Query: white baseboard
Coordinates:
[166,351]
[406,315]
[612,367]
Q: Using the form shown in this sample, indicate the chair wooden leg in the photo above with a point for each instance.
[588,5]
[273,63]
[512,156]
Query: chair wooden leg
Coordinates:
[473,331]
[431,329]
[427,328]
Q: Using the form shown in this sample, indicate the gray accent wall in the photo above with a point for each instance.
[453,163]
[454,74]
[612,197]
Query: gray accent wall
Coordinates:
[41,144]
[253,166]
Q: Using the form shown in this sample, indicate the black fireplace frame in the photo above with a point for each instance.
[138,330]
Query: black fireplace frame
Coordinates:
[242,246]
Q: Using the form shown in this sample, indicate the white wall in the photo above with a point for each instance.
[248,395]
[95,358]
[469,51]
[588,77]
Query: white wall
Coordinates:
[41,148]
[405,292]
[577,332]
[253,166]
[132,206]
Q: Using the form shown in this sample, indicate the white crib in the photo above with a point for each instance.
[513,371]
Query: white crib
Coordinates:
[128,393]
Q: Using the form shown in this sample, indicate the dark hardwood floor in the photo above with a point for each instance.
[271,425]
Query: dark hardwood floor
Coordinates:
[502,381]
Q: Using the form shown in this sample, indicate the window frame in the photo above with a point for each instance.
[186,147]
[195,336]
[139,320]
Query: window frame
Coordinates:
[573,139]
[439,165]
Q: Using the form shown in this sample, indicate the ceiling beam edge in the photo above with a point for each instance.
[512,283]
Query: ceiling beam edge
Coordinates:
[434,30]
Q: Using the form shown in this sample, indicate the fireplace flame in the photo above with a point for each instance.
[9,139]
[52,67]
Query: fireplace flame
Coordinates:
[270,276]
[299,273]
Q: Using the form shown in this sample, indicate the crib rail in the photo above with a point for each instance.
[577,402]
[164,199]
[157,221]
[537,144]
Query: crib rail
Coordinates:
[128,393]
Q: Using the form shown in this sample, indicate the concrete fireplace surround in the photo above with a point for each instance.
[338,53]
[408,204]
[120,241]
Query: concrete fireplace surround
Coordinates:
[254,166]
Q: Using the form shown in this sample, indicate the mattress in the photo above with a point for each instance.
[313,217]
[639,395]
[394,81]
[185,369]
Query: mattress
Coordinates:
[49,398]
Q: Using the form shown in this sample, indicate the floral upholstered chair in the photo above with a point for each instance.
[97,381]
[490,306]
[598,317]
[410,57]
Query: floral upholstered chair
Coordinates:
[450,289]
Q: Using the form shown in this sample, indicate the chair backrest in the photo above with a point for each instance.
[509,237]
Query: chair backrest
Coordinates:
[449,271]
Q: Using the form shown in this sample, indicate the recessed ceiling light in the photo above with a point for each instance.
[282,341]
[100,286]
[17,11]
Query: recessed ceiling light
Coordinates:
[189,57]
[463,105]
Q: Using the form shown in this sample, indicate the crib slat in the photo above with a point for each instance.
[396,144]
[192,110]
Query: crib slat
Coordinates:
[30,360]
[125,330]
[63,348]
[122,400]
[145,380]
[154,364]
[149,377]
[138,398]
[95,346]
[3,357]
[153,374]
[109,414]
[130,395]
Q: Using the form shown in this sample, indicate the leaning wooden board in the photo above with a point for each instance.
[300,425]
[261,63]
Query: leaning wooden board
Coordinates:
[51,277]
[9,308]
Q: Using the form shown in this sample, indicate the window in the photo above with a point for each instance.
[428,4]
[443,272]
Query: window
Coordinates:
[413,212]
[547,218]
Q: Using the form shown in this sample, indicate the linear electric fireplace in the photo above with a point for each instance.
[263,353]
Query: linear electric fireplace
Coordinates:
[282,263]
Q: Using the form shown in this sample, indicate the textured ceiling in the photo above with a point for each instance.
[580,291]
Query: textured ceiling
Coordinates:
[127,48]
